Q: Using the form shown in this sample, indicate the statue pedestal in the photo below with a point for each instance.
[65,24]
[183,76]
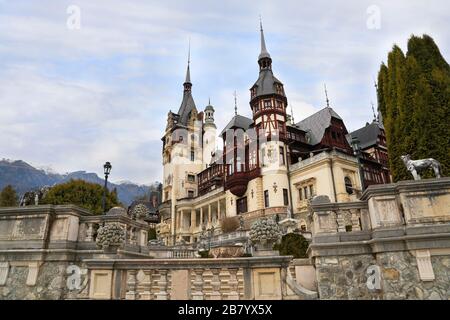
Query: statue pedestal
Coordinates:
[265,250]
[266,253]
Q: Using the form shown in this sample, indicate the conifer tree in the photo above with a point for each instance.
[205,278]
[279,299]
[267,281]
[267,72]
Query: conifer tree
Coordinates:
[413,98]
[8,197]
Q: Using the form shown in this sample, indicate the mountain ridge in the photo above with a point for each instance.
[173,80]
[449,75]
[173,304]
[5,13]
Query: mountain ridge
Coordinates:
[25,177]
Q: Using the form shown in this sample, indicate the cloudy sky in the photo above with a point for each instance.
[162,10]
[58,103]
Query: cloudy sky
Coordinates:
[71,99]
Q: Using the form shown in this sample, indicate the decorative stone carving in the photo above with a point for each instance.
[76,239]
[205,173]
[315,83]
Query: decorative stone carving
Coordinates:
[33,270]
[131,285]
[146,285]
[417,166]
[264,233]
[215,284]
[198,285]
[140,211]
[162,284]
[110,236]
[233,283]
[424,265]
[4,270]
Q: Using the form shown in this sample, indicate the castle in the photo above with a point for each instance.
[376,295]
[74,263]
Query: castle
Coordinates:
[268,166]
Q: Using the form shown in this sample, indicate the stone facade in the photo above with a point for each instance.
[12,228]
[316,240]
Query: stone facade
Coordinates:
[400,250]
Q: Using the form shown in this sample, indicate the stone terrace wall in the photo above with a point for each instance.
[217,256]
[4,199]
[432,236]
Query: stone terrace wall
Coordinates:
[398,237]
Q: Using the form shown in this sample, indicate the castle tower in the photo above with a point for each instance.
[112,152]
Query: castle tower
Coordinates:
[269,104]
[209,135]
[182,155]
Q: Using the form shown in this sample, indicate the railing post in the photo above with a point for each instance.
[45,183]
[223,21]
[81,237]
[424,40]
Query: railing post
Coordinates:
[340,221]
[215,283]
[162,284]
[356,221]
[233,282]
[89,232]
[131,285]
[198,285]
[147,285]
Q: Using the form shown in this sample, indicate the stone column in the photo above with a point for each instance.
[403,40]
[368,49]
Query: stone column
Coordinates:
[209,214]
[162,284]
[201,217]
[340,221]
[215,284]
[90,232]
[146,285]
[131,285]
[193,219]
[233,282]
[198,285]
[355,218]
[219,213]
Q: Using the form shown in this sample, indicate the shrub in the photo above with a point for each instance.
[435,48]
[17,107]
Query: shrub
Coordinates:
[293,244]
[204,254]
[229,224]
[151,234]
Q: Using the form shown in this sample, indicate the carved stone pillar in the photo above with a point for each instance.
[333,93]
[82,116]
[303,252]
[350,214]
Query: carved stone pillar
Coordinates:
[193,219]
[233,282]
[209,214]
[131,285]
[356,221]
[198,285]
[340,220]
[162,284]
[146,286]
[89,232]
[215,284]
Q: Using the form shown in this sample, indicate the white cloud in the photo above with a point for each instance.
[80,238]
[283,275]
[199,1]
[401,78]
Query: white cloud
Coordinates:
[74,99]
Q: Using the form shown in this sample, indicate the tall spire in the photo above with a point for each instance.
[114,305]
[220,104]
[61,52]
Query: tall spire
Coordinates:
[187,83]
[326,95]
[373,111]
[235,103]
[264,53]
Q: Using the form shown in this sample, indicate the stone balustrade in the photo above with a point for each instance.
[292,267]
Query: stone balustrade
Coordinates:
[398,235]
[194,279]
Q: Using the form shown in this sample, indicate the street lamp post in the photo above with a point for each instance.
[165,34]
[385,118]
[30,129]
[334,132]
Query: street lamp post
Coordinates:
[107,169]
[357,151]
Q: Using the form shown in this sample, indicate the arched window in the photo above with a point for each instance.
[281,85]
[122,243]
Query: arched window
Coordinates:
[348,185]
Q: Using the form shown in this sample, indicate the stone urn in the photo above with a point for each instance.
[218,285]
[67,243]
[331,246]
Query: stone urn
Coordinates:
[110,238]
[264,233]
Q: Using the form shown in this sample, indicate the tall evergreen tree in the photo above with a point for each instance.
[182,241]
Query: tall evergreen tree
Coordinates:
[413,97]
[8,197]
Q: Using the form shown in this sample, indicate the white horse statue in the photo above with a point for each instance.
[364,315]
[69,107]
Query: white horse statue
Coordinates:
[417,166]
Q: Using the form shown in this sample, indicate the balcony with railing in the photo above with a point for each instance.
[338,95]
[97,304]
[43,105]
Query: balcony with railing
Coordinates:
[238,179]
[210,178]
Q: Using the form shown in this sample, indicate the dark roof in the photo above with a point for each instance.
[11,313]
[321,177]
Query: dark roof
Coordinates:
[238,121]
[366,135]
[266,83]
[187,105]
[316,124]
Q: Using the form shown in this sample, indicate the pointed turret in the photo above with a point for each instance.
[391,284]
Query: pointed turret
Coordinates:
[264,53]
[187,83]
[188,104]
[264,59]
